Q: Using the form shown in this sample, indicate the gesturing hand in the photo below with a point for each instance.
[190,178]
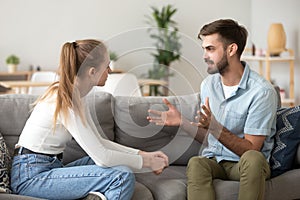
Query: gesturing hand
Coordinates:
[204,117]
[157,161]
[207,120]
[171,117]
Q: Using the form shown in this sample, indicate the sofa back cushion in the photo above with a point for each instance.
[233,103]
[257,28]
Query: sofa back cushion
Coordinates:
[15,110]
[101,109]
[134,130]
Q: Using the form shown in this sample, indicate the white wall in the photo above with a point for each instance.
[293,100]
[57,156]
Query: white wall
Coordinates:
[263,14]
[36,29]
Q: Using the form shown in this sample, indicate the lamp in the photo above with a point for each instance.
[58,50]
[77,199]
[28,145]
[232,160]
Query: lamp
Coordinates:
[276,39]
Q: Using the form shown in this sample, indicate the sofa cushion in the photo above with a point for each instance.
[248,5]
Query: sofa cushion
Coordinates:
[133,128]
[170,184]
[141,192]
[5,162]
[15,110]
[287,138]
[101,109]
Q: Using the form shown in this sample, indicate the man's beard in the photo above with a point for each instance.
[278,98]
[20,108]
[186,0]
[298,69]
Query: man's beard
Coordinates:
[220,66]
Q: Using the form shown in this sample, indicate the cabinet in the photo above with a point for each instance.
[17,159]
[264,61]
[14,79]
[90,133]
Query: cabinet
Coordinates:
[268,60]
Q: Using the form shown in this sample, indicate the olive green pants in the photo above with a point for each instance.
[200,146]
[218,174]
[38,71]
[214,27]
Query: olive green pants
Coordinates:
[252,170]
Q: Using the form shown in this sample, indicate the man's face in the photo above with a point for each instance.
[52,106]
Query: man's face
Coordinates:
[214,54]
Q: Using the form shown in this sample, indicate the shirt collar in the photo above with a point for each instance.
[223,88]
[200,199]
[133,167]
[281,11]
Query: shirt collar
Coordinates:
[244,79]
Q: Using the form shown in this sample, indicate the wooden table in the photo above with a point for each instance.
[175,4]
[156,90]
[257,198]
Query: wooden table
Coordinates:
[22,86]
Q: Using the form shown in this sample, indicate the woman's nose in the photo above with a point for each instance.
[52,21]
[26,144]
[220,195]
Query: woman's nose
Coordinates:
[109,70]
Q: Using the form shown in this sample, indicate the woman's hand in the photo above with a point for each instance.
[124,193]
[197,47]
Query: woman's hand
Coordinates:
[157,161]
[172,117]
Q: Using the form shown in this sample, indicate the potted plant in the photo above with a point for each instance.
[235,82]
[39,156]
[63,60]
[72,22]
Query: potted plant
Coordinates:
[12,62]
[167,44]
[113,58]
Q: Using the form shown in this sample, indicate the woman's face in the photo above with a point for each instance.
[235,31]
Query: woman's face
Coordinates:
[94,76]
[103,71]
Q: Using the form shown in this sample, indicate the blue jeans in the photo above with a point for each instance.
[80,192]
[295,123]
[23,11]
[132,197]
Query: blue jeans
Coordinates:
[46,177]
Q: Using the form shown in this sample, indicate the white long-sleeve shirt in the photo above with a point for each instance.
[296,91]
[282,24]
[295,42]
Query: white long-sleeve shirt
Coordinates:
[39,136]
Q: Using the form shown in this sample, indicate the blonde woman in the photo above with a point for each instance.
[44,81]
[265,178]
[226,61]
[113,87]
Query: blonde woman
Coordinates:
[60,115]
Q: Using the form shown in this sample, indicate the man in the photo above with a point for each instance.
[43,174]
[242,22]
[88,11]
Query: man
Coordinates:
[236,121]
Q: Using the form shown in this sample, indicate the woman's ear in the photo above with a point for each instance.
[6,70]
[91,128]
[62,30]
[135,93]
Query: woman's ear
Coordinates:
[92,71]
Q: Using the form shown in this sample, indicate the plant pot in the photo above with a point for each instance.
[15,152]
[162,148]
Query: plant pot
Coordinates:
[11,68]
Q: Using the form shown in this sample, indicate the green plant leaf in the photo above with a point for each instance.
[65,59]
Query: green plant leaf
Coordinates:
[167,41]
[12,59]
[113,56]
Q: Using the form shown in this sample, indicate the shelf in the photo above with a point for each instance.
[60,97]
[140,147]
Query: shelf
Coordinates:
[288,101]
[268,60]
[264,58]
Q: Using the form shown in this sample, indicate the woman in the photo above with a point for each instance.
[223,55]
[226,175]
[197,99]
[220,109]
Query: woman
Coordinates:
[61,114]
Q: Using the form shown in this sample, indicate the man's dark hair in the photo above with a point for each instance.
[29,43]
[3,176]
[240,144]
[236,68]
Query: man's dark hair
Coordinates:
[230,32]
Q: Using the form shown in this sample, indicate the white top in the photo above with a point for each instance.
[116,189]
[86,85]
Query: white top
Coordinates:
[229,90]
[38,136]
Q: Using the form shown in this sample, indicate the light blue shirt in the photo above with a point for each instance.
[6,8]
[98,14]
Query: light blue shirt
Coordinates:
[251,109]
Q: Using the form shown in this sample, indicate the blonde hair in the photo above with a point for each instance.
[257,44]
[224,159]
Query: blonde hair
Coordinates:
[76,57]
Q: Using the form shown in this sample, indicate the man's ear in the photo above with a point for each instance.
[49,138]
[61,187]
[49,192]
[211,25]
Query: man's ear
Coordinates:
[232,49]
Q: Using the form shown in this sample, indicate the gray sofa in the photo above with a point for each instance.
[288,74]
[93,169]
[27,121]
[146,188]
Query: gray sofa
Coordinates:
[123,119]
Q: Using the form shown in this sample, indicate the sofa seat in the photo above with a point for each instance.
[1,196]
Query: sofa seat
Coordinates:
[171,184]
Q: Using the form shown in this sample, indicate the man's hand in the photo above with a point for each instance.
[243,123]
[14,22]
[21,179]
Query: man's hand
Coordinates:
[172,117]
[207,120]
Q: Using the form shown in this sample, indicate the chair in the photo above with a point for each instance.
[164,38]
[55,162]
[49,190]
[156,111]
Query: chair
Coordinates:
[124,84]
[42,76]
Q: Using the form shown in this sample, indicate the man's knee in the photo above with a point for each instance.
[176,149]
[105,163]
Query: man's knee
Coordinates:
[253,156]
[253,161]
[197,164]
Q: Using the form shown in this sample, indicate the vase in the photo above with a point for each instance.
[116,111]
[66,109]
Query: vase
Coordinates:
[11,68]
[276,39]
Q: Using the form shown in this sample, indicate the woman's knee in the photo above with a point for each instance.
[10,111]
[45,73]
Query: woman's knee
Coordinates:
[127,175]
